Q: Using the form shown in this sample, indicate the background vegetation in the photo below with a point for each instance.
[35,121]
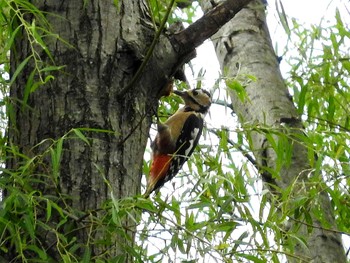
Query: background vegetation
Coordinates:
[217,208]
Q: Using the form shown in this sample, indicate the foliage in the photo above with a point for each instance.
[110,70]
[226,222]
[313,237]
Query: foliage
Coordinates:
[216,209]
[320,83]
[26,212]
[224,214]
[20,17]
[159,10]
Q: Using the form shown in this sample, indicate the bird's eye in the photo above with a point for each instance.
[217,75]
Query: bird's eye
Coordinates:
[195,93]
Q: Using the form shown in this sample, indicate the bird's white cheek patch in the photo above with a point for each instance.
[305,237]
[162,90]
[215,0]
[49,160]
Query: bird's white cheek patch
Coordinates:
[202,116]
[194,135]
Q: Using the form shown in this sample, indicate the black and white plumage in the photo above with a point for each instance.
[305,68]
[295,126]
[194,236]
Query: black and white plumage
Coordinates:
[177,138]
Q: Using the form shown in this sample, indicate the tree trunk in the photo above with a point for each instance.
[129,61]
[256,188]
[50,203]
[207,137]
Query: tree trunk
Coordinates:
[106,43]
[243,47]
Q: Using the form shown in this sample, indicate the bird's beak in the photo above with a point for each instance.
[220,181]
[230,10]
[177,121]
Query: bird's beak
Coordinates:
[180,93]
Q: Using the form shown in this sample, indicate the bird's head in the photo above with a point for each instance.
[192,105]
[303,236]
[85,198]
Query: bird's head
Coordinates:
[196,99]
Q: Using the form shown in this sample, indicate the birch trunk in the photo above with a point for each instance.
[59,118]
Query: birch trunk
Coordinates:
[243,47]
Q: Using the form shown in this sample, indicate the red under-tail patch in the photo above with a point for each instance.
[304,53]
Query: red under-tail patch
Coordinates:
[160,166]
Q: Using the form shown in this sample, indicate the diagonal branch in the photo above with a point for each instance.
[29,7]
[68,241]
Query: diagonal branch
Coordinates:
[188,39]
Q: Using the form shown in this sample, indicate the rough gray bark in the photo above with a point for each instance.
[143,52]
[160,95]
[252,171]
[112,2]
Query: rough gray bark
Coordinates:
[105,49]
[107,45]
[243,47]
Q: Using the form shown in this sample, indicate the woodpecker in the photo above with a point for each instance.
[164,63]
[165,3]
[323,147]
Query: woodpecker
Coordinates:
[177,138]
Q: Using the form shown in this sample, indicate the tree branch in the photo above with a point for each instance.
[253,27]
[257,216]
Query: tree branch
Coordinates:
[168,53]
[194,35]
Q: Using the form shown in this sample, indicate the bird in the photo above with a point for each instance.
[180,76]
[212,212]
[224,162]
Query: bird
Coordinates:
[177,138]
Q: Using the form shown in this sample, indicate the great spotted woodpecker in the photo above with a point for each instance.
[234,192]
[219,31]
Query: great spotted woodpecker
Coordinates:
[177,138]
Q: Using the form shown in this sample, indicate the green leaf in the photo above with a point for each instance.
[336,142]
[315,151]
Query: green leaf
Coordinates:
[52,68]
[81,136]
[331,108]
[19,69]
[28,87]
[236,86]
[251,258]
[56,154]
[48,210]
[116,3]
[39,39]
[225,226]
[9,42]
[302,99]
[146,204]
[222,246]
[283,18]
[41,253]
[29,225]
[87,255]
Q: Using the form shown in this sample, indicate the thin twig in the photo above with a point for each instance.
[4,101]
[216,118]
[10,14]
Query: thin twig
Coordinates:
[239,147]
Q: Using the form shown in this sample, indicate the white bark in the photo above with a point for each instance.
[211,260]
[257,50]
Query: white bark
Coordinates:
[243,47]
